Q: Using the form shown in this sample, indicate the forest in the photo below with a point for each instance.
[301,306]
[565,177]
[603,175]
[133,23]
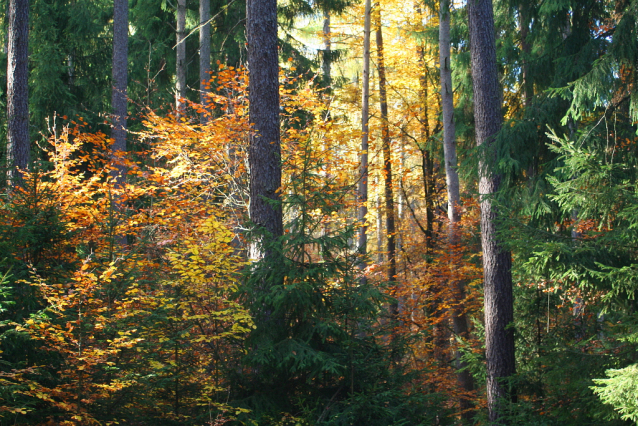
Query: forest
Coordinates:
[319,212]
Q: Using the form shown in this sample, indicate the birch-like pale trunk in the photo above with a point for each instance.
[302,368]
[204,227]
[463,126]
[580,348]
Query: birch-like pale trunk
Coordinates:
[362,190]
[459,319]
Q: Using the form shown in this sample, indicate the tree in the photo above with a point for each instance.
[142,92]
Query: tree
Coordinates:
[362,190]
[387,165]
[18,148]
[497,263]
[180,67]
[264,154]
[459,319]
[204,53]
[120,79]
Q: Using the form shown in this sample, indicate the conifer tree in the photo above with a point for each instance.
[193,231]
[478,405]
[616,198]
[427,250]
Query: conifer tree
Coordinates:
[18,145]
[498,296]
[264,154]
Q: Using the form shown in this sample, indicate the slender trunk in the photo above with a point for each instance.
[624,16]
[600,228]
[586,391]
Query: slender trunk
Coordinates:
[264,153]
[387,168]
[18,146]
[362,190]
[459,320]
[498,297]
[120,79]
[180,70]
[401,199]
[204,55]
[426,164]
[523,22]
[379,230]
[327,51]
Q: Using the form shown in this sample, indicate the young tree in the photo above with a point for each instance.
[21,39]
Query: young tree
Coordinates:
[120,79]
[264,155]
[204,53]
[362,190]
[387,165]
[497,263]
[180,69]
[18,148]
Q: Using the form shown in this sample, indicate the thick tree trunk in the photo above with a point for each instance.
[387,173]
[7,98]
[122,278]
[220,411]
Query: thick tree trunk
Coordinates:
[120,79]
[498,298]
[459,320]
[387,168]
[362,190]
[204,54]
[264,154]
[18,146]
[180,70]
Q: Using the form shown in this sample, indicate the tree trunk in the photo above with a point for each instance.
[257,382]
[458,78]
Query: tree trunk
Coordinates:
[327,51]
[180,71]
[523,22]
[426,164]
[459,320]
[362,190]
[264,154]
[18,146]
[120,78]
[498,298]
[387,168]
[204,54]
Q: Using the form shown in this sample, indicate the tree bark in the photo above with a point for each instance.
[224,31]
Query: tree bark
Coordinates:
[426,164]
[362,190]
[120,79]
[18,145]
[180,70]
[459,320]
[498,297]
[327,51]
[264,154]
[523,22]
[204,54]
[387,168]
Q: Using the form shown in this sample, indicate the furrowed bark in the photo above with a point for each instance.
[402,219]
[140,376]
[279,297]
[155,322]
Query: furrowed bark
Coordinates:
[498,297]
[264,154]
[18,145]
